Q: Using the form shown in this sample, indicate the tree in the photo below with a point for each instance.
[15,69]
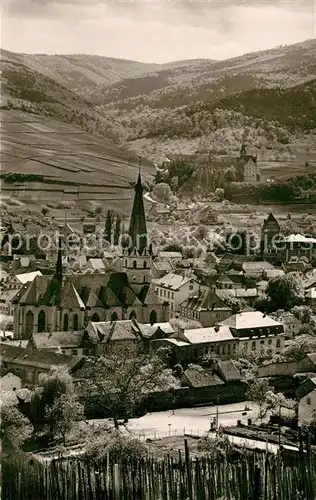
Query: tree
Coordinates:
[62,414]
[257,393]
[162,192]
[14,426]
[298,347]
[116,445]
[285,292]
[117,229]
[108,225]
[120,382]
[45,211]
[54,406]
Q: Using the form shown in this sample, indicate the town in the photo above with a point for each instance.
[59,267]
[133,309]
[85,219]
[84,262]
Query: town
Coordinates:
[158,251]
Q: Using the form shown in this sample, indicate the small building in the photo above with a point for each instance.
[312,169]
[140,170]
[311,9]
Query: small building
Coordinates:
[115,336]
[10,382]
[160,268]
[28,364]
[170,256]
[16,282]
[306,395]
[174,289]
[206,307]
[288,368]
[291,324]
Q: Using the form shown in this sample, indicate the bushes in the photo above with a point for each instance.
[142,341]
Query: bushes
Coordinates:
[11,177]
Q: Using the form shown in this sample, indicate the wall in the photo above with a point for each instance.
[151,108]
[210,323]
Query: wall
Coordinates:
[10,381]
[306,408]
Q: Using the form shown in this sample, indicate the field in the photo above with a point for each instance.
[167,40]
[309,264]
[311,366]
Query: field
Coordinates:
[75,165]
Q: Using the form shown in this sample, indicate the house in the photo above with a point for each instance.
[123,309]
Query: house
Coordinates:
[257,268]
[310,298]
[156,331]
[115,336]
[306,395]
[28,365]
[251,172]
[95,265]
[15,282]
[71,343]
[6,305]
[174,289]
[197,377]
[10,382]
[170,256]
[305,365]
[160,268]
[255,330]
[206,307]
[190,345]
[291,324]
[229,282]
[270,233]
[298,245]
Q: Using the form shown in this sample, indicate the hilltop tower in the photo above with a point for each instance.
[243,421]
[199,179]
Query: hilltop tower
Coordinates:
[137,258]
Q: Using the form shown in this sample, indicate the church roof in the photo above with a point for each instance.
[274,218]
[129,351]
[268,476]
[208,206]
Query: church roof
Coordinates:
[137,227]
[81,291]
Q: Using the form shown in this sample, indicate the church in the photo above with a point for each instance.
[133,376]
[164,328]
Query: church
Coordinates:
[68,302]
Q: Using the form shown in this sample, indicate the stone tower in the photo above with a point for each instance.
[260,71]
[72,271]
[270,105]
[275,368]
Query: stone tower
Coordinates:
[137,257]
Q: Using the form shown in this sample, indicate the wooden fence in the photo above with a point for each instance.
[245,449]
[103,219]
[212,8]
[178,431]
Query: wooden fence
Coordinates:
[241,477]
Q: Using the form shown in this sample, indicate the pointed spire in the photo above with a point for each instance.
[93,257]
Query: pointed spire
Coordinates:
[59,265]
[137,227]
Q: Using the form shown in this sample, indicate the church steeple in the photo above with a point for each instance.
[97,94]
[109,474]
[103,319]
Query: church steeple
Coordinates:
[137,227]
[59,264]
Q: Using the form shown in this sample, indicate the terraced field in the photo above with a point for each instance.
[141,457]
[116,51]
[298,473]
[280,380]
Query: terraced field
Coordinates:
[75,165]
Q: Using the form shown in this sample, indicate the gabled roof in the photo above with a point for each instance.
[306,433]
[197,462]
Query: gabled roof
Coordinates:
[207,300]
[149,330]
[306,387]
[25,277]
[108,331]
[172,281]
[207,335]
[96,264]
[228,370]
[200,377]
[40,359]
[162,265]
[248,320]
[49,340]
[170,255]
[69,297]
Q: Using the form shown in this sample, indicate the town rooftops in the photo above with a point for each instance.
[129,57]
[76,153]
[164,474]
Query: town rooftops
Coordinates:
[249,320]
[162,265]
[172,281]
[96,264]
[41,359]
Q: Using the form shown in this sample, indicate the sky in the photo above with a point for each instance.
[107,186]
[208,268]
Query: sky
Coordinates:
[155,31]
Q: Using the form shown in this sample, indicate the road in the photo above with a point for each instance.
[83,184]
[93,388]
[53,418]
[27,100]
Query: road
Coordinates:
[189,420]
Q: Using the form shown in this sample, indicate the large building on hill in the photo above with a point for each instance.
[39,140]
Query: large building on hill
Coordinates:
[247,168]
[69,302]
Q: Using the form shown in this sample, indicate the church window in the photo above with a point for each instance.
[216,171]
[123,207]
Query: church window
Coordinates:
[144,279]
[153,317]
[95,318]
[41,322]
[134,264]
[145,264]
[65,323]
[132,315]
[125,263]
[29,323]
[114,316]
[75,322]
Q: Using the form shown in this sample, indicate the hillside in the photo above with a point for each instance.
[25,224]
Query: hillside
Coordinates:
[60,162]
[266,99]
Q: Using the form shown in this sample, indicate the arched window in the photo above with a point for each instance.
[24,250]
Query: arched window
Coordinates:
[65,323]
[153,317]
[114,316]
[95,318]
[41,322]
[144,279]
[134,264]
[132,315]
[145,264]
[75,322]
[125,263]
[29,323]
